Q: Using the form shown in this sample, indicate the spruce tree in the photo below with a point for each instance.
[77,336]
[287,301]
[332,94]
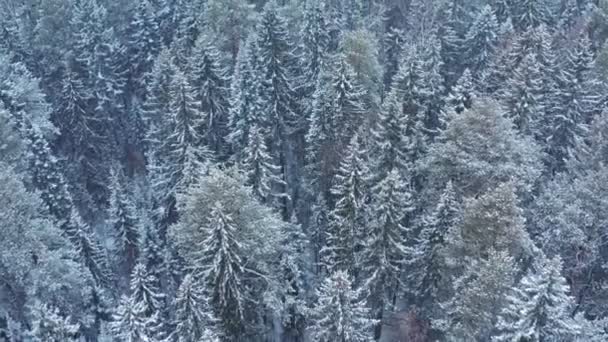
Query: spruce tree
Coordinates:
[428,272]
[348,218]
[281,115]
[539,308]
[340,313]
[479,294]
[49,325]
[130,324]
[193,320]
[481,40]
[245,103]
[264,175]
[530,13]
[123,220]
[523,97]
[338,108]
[210,80]
[144,44]
[385,251]
[461,96]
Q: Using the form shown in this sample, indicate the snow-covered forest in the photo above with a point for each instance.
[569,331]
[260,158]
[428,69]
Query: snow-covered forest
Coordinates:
[303,170]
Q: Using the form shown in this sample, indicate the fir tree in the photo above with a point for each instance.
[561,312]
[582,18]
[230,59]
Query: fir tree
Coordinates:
[340,314]
[539,308]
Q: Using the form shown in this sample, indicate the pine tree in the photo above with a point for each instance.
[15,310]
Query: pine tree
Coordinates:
[577,100]
[293,281]
[385,251]
[49,325]
[340,313]
[348,217]
[480,231]
[123,220]
[210,79]
[192,317]
[481,40]
[539,307]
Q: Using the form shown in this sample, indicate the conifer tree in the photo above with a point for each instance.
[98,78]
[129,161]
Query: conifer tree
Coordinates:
[245,104]
[479,294]
[461,96]
[530,13]
[50,326]
[481,40]
[385,251]
[340,313]
[314,46]
[338,108]
[348,218]
[193,320]
[577,103]
[523,97]
[123,220]
[130,324]
[48,178]
[144,44]
[210,81]
[539,307]
[89,252]
[281,115]
[264,175]
[428,277]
